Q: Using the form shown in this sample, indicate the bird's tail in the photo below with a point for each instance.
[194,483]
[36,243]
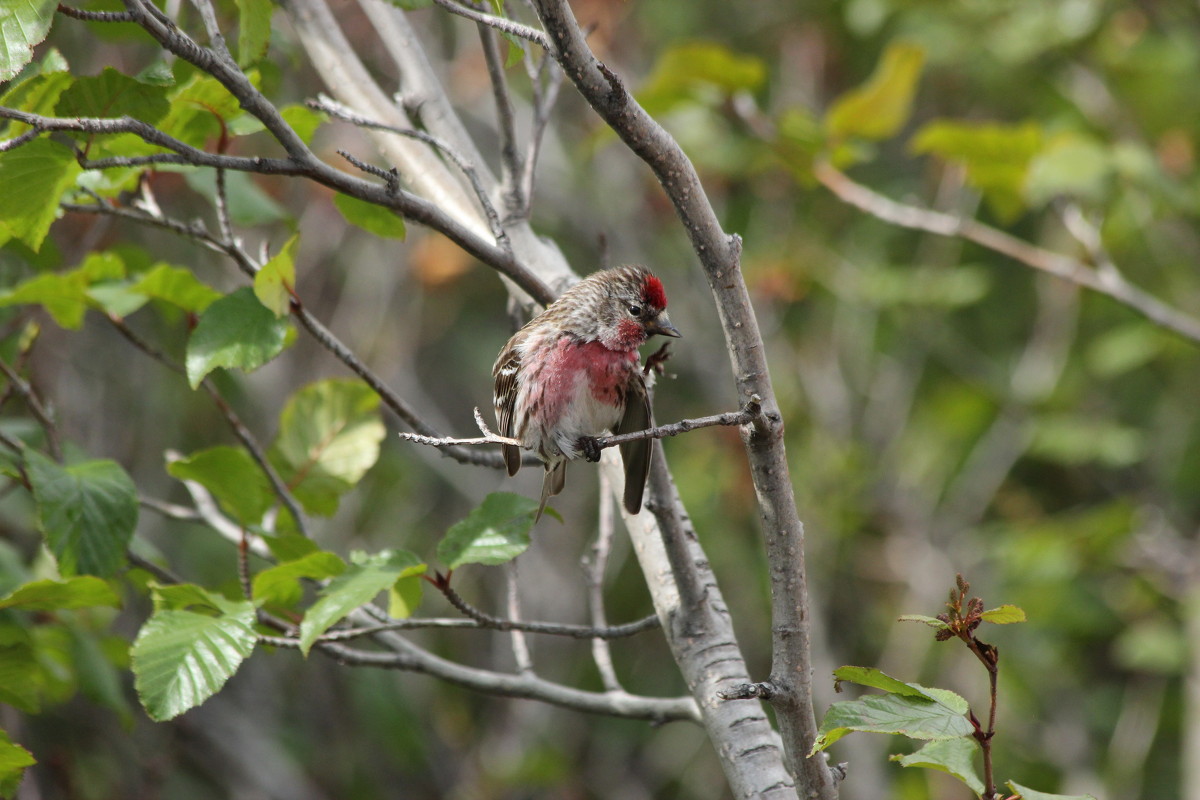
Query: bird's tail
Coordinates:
[552,484]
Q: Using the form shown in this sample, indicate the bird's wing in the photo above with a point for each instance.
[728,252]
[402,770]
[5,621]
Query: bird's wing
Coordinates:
[508,364]
[636,455]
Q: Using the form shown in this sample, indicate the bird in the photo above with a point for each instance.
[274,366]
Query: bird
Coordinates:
[573,372]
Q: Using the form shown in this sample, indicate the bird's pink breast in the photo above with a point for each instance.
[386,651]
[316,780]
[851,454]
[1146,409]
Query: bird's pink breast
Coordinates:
[569,362]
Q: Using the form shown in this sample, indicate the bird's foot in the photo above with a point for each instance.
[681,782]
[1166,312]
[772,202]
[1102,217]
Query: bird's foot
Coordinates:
[590,447]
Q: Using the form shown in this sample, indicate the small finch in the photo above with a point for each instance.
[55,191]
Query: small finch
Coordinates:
[573,372]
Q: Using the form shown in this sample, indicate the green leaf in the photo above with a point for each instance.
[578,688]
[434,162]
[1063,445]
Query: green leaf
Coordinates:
[1071,164]
[81,591]
[953,756]
[181,658]
[932,622]
[919,712]
[304,120]
[20,677]
[235,331]
[289,547]
[1030,794]
[996,157]
[357,586]
[370,217]
[176,286]
[233,477]
[878,679]
[273,283]
[254,30]
[181,596]
[200,108]
[87,512]
[23,24]
[329,435]
[1006,614]
[38,93]
[111,94]
[42,170]
[495,532]
[880,107]
[1073,440]
[1124,348]
[65,297]
[13,761]
[699,72]
[281,583]
[405,596]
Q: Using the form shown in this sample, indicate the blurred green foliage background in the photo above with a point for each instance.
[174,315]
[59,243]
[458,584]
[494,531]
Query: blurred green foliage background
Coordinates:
[948,410]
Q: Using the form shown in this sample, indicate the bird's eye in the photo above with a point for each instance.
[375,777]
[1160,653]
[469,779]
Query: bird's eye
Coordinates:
[635,311]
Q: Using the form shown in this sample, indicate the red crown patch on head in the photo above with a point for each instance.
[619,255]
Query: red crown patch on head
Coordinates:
[653,292]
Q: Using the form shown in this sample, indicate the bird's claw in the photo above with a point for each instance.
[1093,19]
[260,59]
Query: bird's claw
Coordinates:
[590,447]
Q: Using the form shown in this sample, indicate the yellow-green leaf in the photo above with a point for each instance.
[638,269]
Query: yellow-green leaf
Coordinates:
[274,282]
[880,107]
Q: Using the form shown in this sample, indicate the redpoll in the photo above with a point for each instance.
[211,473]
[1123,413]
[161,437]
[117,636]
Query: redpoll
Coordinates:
[573,373]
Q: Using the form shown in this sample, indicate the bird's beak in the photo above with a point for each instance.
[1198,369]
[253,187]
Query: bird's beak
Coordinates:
[662,325]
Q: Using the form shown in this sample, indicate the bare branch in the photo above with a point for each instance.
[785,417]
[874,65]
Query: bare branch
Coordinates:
[577,631]
[604,632]
[1107,280]
[594,565]
[335,109]
[783,533]
[499,23]
[95,16]
[36,407]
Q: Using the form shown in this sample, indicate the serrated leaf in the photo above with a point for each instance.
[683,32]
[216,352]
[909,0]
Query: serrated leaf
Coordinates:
[932,622]
[181,658]
[878,679]
[953,756]
[405,596]
[1006,614]
[23,24]
[81,591]
[200,107]
[38,93]
[289,547]
[234,479]
[13,761]
[281,583]
[493,533]
[20,677]
[357,586]
[329,436]
[880,107]
[43,170]
[236,331]
[87,512]
[1030,794]
[176,286]
[273,283]
[111,94]
[370,217]
[929,714]
[254,29]
[64,297]
[181,596]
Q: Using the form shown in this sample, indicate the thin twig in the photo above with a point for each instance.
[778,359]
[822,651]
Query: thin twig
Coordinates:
[95,16]
[594,565]
[499,23]
[575,631]
[512,601]
[511,169]
[1107,280]
[34,404]
[335,109]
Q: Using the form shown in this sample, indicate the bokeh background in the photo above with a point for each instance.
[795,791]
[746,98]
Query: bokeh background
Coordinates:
[948,410]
